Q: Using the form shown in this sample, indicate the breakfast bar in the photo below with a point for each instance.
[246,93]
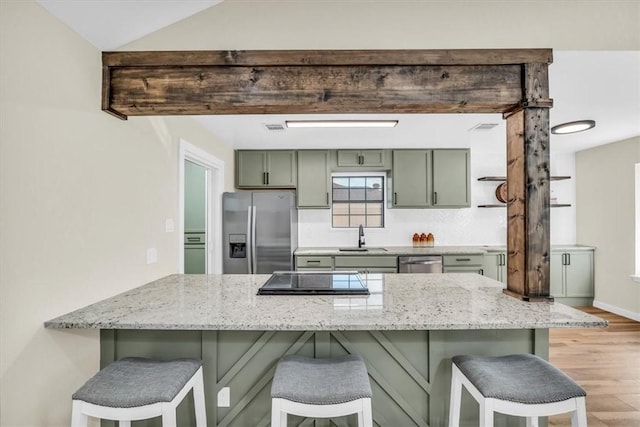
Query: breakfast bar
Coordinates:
[407,329]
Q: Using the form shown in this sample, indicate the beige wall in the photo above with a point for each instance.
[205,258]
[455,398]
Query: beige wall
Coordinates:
[83,195]
[605,199]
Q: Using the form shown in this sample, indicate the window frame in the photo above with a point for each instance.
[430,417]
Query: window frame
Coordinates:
[383,202]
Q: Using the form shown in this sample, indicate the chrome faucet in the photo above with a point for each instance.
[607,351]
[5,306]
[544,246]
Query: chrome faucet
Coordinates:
[360,236]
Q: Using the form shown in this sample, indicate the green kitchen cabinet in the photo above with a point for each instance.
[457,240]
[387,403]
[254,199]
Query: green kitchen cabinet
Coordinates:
[313,189]
[495,266]
[361,158]
[451,178]
[366,264]
[572,279]
[260,169]
[312,262]
[463,263]
[411,179]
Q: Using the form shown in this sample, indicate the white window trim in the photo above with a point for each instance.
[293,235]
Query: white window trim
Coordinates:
[384,197]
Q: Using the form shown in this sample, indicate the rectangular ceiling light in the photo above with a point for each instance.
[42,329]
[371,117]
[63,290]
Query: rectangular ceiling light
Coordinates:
[341,123]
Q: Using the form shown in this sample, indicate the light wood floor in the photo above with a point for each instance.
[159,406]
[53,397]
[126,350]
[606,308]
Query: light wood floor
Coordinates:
[606,363]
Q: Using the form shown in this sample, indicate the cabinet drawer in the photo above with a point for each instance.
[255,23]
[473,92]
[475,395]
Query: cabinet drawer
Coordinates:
[313,261]
[462,260]
[366,261]
[464,269]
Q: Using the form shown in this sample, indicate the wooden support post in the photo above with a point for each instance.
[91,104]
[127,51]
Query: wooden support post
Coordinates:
[528,214]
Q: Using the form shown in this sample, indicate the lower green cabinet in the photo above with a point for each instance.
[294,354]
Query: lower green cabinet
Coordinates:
[495,266]
[360,263]
[572,280]
[464,263]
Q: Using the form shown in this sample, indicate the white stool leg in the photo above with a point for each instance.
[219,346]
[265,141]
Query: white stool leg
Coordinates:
[532,422]
[78,418]
[124,423]
[198,400]
[169,418]
[365,417]
[486,413]
[579,416]
[278,416]
[455,397]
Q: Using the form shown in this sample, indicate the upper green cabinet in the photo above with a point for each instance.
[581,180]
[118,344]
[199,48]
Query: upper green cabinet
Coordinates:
[451,178]
[411,180]
[361,158]
[272,168]
[313,179]
[431,178]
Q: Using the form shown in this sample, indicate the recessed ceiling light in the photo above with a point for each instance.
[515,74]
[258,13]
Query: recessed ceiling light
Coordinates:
[573,127]
[341,123]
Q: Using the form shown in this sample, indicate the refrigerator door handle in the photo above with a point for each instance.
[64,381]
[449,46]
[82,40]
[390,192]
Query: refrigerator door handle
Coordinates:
[254,267]
[249,230]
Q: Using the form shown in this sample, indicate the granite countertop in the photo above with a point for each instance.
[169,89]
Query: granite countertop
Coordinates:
[410,250]
[397,302]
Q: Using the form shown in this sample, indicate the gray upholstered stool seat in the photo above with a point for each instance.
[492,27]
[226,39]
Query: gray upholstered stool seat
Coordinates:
[518,384]
[321,388]
[137,388]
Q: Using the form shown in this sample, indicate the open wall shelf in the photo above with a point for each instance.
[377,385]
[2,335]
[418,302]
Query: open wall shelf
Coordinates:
[504,178]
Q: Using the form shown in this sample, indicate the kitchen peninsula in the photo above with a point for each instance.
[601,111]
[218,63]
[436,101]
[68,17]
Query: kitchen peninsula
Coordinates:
[407,330]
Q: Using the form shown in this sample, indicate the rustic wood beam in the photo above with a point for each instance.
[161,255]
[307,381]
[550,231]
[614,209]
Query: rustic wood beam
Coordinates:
[201,90]
[528,213]
[349,81]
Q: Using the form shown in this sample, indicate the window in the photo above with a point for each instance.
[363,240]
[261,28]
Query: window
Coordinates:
[357,200]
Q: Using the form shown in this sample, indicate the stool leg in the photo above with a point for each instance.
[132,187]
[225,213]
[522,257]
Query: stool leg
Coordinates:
[579,416]
[198,400]
[455,397]
[169,418]
[124,423]
[532,421]
[486,413]
[78,418]
[365,417]
[278,417]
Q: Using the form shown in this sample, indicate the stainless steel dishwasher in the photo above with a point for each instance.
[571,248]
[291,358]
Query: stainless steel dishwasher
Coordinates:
[420,264]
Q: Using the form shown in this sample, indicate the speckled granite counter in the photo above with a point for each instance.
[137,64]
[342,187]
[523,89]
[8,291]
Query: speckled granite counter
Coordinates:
[397,302]
[410,250]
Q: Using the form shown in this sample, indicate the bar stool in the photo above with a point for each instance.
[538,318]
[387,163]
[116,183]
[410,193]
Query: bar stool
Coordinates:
[321,388]
[135,389]
[523,385]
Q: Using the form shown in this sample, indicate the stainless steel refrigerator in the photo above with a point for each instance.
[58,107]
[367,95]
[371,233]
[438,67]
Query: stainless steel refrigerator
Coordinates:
[260,231]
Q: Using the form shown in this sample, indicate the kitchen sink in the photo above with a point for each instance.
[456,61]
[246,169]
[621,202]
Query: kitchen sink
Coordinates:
[354,249]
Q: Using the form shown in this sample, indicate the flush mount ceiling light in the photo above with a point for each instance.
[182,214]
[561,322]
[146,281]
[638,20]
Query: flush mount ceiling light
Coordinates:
[573,127]
[341,123]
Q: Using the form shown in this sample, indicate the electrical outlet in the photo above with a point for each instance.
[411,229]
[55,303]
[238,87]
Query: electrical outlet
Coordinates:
[224,397]
[152,256]
[168,225]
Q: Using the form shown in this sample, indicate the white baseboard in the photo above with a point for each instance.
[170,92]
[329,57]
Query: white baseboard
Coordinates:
[617,310]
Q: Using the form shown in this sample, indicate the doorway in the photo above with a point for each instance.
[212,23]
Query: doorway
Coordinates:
[201,183]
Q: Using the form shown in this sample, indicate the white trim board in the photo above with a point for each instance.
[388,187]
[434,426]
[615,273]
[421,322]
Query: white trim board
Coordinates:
[215,188]
[617,310]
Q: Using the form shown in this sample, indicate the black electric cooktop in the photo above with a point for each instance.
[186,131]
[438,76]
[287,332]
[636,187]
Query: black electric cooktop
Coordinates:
[314,283]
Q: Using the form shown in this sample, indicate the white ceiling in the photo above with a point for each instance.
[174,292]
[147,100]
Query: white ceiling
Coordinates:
[600,85]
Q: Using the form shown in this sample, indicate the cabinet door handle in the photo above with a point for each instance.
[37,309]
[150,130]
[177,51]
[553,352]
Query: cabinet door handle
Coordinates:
[463,259]
[267,178]
[481,271]
[327,198]
[568,259]
[503,259]
[435,197]
[264,178]
[360,160]
[395,198]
